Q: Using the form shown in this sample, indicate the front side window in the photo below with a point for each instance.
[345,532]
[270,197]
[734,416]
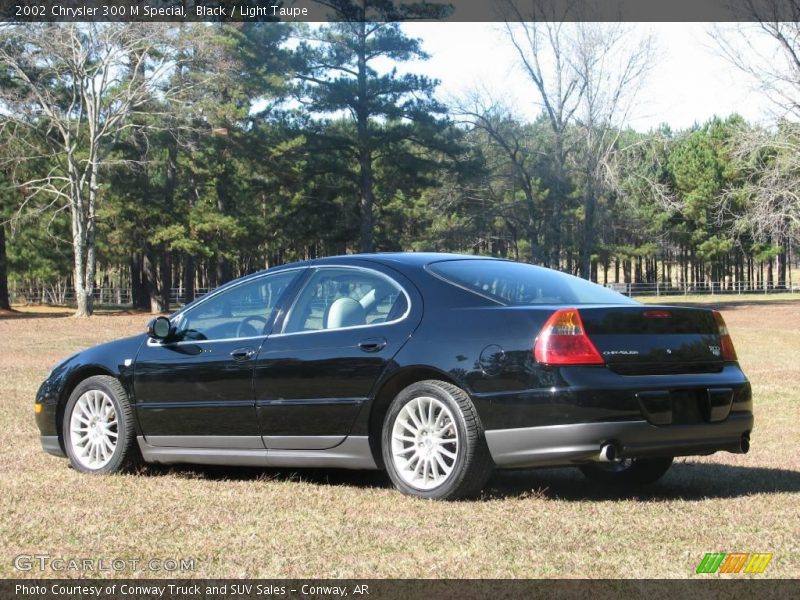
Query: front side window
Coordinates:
[240,312]
[335,298]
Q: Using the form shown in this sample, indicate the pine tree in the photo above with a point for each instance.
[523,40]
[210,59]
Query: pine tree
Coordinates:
[340,75]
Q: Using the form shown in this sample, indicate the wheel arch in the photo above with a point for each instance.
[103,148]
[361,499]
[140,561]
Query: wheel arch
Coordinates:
[388,390]
[74,379]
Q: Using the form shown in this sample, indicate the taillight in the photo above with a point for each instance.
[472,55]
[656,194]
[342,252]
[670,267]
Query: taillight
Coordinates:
[725,341]
[563,341]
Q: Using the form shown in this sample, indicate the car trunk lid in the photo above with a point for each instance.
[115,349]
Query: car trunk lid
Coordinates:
[643,340]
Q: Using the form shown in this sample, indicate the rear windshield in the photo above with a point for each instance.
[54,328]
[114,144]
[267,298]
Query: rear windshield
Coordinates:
[521,284]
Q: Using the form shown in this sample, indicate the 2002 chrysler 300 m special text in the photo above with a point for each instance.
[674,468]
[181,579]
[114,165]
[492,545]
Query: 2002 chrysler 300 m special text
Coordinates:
[436,367]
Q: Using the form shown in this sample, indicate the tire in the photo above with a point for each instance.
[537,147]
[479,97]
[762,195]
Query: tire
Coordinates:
[631,471]
[433,444]
[100,407]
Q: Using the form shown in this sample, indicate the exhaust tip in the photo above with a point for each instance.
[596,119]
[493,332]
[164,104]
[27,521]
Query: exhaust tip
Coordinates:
[744,445]
[608,453]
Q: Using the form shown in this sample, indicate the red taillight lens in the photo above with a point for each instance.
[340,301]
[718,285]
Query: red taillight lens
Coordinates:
[563,341]
[725,341]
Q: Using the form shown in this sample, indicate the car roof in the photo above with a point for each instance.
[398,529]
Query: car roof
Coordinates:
[404,262]
[408,259]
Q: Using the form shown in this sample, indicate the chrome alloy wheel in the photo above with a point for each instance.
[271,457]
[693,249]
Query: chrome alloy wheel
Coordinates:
[424,443]
[93,429]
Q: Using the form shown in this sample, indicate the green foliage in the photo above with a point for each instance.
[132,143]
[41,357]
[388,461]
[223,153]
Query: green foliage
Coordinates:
[277,148]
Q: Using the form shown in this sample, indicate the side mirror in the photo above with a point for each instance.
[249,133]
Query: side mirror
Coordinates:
[159,328]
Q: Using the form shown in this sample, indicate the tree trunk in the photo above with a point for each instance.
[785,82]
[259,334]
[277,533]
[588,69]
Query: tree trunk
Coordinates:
[558,194]
[770,274]
[170,181]
[224,272]
[79,260]
[139,297]
[188,279]
[782,265]
[4,300]
[165,279]
[589,202]
[91,239]
[367,198]
[151,280]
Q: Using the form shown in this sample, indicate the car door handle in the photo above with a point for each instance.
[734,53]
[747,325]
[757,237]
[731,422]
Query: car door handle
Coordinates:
[243,354]
[372,344]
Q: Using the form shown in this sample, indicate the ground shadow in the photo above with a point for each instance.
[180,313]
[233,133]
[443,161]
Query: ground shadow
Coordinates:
[331,477]
[684,481]
[17,315]
[64,314]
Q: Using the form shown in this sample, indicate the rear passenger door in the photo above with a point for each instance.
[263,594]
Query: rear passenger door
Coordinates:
[317,369]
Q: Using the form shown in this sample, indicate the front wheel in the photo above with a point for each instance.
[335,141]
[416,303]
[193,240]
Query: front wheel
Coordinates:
[626,471]
[98,426]
[433,444]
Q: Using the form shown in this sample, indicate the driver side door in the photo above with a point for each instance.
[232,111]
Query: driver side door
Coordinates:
[196,391]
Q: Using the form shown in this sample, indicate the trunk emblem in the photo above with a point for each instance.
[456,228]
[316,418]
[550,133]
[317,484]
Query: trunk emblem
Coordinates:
[715,350]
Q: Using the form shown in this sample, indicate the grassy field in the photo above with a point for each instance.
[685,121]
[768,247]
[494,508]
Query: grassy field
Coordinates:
[281,523]
[720,299]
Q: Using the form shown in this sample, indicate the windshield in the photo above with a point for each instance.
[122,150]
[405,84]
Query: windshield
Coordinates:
[521,284]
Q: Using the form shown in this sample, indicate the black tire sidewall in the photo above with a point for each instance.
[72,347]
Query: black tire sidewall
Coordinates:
[123,426]
[444,490]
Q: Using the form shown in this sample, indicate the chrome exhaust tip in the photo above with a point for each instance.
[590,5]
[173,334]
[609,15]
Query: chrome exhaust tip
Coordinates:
[608,453]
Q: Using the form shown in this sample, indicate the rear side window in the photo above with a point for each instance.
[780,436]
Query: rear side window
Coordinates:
[521,284]
[335,298]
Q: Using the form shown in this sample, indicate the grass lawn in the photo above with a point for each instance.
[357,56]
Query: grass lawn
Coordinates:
[290,523]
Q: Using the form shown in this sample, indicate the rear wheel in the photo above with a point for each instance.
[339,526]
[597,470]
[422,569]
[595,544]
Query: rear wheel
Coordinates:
[98,426]
[631,470]
[433,444]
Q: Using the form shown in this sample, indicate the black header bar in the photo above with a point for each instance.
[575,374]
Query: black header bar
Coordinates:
[429,10]
[377,589]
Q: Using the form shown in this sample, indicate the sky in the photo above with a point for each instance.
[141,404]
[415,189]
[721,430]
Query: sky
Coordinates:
[690,83]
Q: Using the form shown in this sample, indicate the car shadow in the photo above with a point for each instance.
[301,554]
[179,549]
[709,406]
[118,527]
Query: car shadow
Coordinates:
[684,481]
[315,476]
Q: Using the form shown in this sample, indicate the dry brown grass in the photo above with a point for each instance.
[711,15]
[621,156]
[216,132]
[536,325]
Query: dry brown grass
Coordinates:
[280,523]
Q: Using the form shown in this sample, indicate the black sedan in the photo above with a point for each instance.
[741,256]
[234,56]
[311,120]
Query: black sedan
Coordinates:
[435,367]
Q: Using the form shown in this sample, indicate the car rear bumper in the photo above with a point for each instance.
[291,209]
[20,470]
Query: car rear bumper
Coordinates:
[569,444]
[51,445]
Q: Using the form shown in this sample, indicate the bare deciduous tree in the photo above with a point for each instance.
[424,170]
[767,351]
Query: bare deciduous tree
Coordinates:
[585,74]
[513,142]
[766,46]
[543,45]
[69,92]
[612,67]
[767,206]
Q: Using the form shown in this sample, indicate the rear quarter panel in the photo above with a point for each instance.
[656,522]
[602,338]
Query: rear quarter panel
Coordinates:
[488,351]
